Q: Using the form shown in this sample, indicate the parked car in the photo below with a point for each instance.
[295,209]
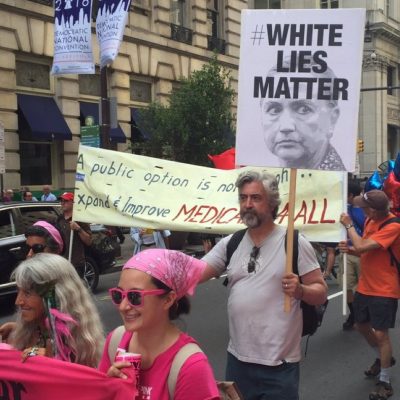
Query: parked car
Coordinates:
[15,217]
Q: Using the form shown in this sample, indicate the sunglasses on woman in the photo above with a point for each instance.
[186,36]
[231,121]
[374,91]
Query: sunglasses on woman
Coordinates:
[134,297]
[36,248]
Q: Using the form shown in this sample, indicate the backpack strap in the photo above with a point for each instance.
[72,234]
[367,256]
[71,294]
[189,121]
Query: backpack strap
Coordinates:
[393,260]
[295,264]
[115,339]
[180,357]
[392,220]
[231,247]
[233,244]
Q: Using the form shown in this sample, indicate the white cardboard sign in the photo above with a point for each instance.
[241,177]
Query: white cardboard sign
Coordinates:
[299,87]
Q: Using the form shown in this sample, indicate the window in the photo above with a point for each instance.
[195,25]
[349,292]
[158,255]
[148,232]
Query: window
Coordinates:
[179,22]
[140,91]
[215,26]
[212,18]
[329,3]
[393,141]
[390,11]
[35,163]
[390,79]
[7,228]
[177,12]
[90,84]
[29,215]
[267,4]
[33,75]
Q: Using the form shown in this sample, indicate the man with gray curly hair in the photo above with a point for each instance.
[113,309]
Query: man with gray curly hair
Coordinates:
[264,348]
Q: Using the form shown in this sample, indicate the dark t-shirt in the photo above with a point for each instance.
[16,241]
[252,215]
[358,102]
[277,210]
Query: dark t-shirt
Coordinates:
[78,247]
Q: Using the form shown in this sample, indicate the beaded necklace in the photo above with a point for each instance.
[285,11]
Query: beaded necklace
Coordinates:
[42,338]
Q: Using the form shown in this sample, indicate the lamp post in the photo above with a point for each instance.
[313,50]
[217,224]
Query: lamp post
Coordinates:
[105,110]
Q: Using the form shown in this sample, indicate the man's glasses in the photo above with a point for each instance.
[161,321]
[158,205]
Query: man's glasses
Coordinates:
[36,248]
[251,266]
[135,297]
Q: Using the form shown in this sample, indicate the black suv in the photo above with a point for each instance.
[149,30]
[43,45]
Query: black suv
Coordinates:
[15,217]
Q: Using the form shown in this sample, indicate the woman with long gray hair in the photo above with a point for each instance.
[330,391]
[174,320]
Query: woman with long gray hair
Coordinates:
[56,315]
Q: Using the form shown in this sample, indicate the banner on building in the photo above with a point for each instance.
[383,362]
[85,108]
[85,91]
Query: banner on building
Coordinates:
[299,87]
[123,189]
[47,379]
[72,37]
[110,24]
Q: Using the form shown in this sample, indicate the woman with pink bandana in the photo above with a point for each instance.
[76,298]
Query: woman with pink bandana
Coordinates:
[151,293]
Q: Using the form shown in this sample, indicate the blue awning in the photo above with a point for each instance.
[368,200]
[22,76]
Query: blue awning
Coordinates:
[116,135]
[138,134]
[43,118]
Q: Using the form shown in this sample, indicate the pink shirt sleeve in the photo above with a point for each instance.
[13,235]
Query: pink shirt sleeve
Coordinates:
[196,380]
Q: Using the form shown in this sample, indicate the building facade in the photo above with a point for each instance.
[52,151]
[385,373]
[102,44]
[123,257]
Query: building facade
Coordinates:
[163,41]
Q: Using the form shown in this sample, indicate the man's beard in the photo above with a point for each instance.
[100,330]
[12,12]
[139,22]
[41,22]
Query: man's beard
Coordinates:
[251,219]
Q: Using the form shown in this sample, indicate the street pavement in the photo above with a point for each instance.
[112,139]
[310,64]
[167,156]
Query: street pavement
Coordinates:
[332,369]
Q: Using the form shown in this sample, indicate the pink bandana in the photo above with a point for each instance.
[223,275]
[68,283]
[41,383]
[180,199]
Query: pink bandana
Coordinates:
[175,269]
[53,232]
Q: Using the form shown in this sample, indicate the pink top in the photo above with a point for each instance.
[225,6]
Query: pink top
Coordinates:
[195,380]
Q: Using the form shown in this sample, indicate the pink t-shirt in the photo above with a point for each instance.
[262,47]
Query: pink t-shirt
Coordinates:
[195,380]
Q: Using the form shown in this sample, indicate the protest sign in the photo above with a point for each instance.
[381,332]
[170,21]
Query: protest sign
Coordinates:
[110,24]
[72,37]
[299,86]
[123,189]
[47,379]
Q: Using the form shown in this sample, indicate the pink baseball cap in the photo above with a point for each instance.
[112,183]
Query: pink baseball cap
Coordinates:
[178,271]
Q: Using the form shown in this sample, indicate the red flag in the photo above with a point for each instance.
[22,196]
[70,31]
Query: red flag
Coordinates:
[225,160]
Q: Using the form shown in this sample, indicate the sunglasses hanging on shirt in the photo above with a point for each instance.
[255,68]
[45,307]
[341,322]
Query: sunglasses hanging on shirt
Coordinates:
[251,266]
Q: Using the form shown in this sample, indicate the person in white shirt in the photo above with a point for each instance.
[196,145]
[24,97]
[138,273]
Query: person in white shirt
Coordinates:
[47,195]
[149,238]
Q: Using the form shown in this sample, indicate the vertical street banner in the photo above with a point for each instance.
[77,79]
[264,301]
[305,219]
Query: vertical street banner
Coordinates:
[72,37]
[299,87]
[110,24]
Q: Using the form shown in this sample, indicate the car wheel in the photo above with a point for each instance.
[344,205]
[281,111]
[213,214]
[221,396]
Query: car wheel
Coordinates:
[91,274]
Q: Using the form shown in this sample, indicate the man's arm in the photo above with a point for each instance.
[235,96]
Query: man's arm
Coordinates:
[83,231]
[360,245]
[208,273]
[312,289]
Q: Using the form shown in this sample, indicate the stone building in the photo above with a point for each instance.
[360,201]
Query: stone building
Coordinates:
[163,41]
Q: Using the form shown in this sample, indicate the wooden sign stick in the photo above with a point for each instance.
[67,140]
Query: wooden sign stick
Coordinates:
[290,229]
